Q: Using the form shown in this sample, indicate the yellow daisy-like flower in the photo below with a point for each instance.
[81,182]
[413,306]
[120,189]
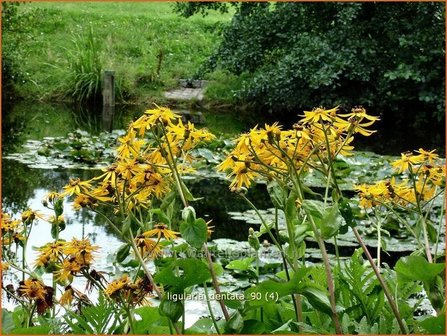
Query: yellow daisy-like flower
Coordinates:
[50,252]
[68,269]
[406,160]
[319,113]
[117,285]
[32,289]
[82,250]
[160,230]
[4,266]
[243,176]
[130,145]
[67,297]
[148,247]
[30,215]
[76,186]
[426,156]
[161,114]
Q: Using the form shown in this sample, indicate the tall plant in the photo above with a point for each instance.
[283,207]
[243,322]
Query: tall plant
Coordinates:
[84,72]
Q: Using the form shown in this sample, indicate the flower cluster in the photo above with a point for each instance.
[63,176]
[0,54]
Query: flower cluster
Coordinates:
[36,291]
[69,258]
[134,292]
[154,146]
[272,152]
[421,176]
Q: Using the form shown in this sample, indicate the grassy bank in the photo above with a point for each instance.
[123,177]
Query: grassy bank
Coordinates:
[147,45]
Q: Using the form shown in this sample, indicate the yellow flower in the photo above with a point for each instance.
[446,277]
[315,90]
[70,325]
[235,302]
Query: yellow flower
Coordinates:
[51,198]
[29,215]
[128,168]
[436,175]
[318,114]
[67,297]
[243,176]
[148,247]
[130,145]
[161,114]
[83,201]
[406,160]
[109,175]
[359,113]
[9,225]
[372,195]
[131,292]
[160,230]
[81,250]
[68,268]
[50,252]
[32,289]
[426,156]
[141,124]
[117,285]
[4,266]
[76,186]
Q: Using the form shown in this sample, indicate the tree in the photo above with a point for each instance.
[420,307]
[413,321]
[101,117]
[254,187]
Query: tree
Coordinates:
[388,57]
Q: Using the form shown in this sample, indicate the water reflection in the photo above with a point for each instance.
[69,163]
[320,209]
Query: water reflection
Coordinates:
[215,203]
[30,121]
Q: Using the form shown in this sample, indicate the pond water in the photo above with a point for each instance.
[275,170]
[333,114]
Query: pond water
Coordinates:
[24,186]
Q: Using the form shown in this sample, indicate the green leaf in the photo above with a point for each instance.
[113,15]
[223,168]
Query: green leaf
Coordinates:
[270,290]
[413,268]
[241,264]
[232,303]
[346,211]
[329,224]
[171,309]
[277,194]
[7,321]
[202,326]
[122,253]
[253,327]
[162,217]
[191,272]
[317,298]
[150,318]
[189,214]
[188,194]
[285,329]
[195,233]
[314,210]
[169,198]
[36,330]
[235,323]
[434,325]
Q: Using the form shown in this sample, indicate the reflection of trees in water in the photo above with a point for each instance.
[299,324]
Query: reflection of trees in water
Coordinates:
[12,130]
[19,182]
[87,217]
[218,200]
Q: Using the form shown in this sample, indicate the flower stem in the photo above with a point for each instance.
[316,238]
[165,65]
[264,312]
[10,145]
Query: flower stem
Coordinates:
[208,303]
[329,278]
[215,283]
[382,282]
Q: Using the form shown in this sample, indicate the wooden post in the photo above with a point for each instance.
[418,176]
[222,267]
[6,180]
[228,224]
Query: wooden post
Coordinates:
[108,100]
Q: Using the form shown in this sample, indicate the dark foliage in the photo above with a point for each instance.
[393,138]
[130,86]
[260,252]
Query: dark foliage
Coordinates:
[388,57]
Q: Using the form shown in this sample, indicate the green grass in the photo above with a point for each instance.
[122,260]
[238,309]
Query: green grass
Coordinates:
[131,37]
